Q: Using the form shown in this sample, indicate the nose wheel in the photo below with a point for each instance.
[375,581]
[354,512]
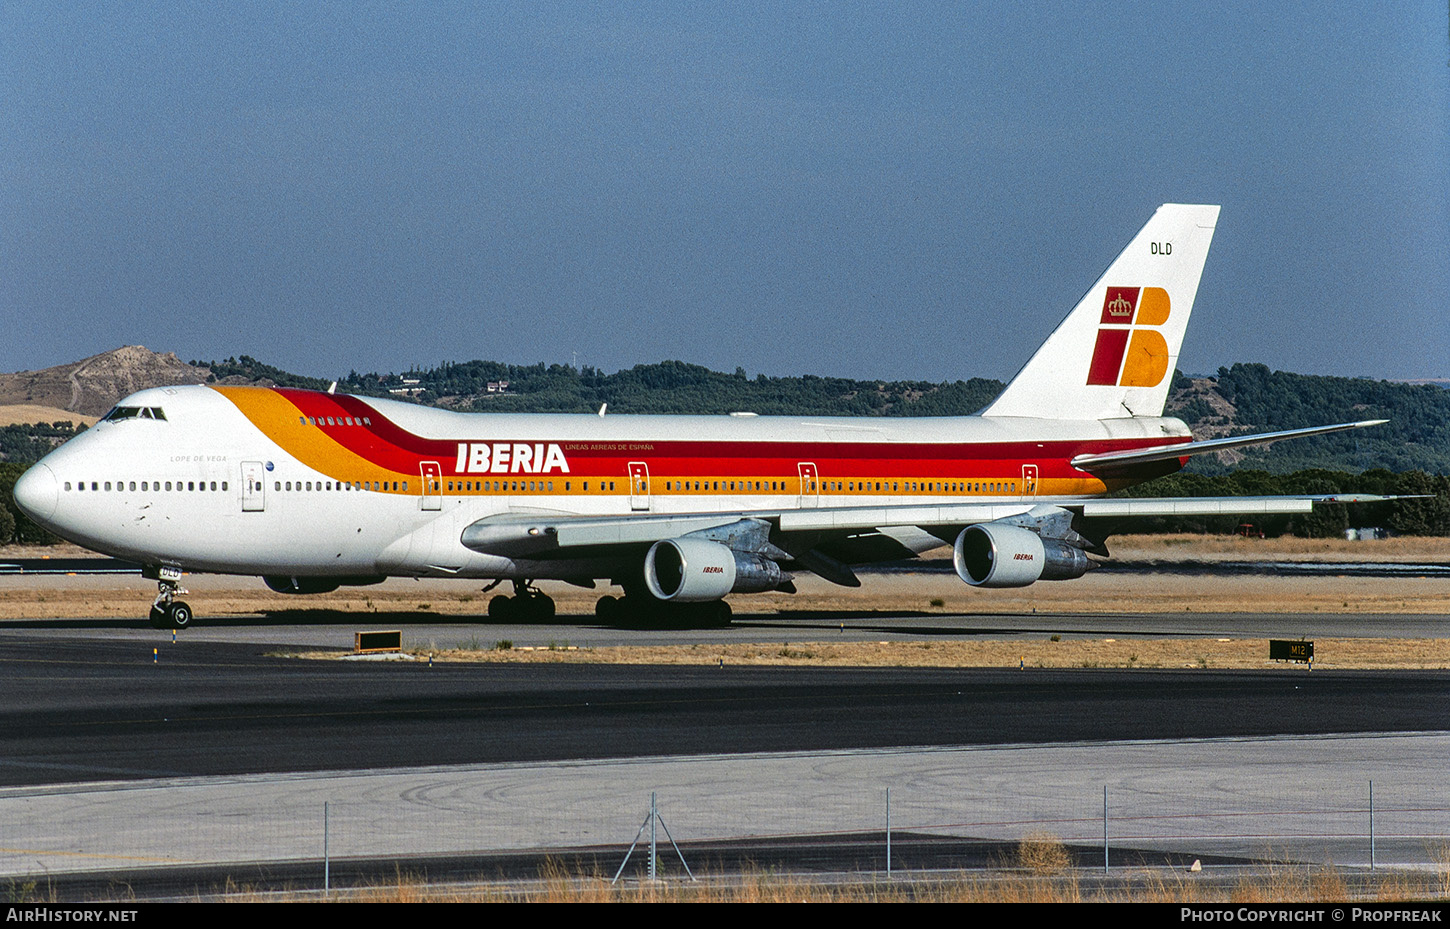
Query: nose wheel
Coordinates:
[166,611]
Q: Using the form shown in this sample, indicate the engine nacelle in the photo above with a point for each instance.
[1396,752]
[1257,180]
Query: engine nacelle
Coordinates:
[695,570]
[996,555]
[316,585]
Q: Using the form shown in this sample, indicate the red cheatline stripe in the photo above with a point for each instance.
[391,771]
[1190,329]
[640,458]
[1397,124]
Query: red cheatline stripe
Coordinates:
[390,446]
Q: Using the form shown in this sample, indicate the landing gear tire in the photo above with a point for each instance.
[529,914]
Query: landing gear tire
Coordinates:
[542,608]
[607,609]
[179,615]
[529,607]
[159,619]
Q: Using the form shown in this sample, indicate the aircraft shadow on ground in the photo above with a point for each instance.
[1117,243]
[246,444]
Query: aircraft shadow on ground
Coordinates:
[884,622]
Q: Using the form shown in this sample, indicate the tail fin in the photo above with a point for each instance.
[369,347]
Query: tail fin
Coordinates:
[1114,354]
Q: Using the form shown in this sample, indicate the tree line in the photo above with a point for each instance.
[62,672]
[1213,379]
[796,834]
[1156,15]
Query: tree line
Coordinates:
[1417,436]
[670,387]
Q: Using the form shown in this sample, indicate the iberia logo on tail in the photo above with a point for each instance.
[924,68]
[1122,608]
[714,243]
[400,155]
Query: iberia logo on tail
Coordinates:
[1130,351]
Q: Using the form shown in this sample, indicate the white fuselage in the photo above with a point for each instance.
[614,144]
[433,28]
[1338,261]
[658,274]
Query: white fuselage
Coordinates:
[268,482]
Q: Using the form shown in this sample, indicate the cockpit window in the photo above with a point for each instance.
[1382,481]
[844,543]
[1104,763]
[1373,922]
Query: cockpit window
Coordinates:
[134,412]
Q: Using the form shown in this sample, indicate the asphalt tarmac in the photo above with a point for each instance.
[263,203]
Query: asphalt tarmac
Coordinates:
[330,629]
[78,709]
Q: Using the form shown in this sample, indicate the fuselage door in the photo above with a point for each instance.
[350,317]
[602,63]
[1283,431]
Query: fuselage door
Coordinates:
[432,485]
[810,484]
[1029,480]
[638,485]
[254,487]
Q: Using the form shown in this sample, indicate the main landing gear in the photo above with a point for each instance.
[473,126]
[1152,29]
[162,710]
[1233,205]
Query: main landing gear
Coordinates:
[166,611]
[529,604]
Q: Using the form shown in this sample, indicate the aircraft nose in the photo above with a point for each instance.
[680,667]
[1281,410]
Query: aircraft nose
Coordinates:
[36,492]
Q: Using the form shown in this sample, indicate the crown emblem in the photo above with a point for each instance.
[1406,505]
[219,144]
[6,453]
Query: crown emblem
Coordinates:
[1119,307]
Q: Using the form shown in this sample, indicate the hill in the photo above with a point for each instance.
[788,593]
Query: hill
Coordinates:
[1247,398]
[93,385]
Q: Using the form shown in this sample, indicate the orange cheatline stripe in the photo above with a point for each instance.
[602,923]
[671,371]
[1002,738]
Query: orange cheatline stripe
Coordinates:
[277,419]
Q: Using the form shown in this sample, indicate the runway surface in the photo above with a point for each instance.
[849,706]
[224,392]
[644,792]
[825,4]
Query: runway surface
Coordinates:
[83,709]
[330,629]
[1224,802]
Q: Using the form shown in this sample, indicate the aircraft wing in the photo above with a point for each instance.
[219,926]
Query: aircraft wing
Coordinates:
[774,532]
[1214,506]
[971,513]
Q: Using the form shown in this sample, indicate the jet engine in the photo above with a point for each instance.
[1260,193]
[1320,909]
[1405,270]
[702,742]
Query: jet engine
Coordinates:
[687,570]
[997,555]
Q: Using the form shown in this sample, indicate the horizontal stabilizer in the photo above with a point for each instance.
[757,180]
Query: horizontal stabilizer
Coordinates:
[1185,449]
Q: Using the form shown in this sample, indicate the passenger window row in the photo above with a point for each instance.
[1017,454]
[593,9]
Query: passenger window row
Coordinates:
[379,486]
[954,487]
[508,486]
[854,486]
[335,420]
[548,486]
[503,486]
[148,486]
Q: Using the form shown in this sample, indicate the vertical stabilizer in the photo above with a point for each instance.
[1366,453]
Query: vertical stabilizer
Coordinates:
[1114,354]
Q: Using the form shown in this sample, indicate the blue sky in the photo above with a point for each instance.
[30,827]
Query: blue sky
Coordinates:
[873,190]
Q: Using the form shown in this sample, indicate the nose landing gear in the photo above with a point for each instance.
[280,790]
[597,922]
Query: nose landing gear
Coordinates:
[166,611]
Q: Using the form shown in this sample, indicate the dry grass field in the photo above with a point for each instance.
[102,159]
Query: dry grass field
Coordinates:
[29,413]
[1046,652]
[1234,548]
[1041,871]
[935,594]
[1284,886]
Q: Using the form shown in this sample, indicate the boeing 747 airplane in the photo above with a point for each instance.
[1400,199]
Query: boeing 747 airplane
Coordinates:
[312,490]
